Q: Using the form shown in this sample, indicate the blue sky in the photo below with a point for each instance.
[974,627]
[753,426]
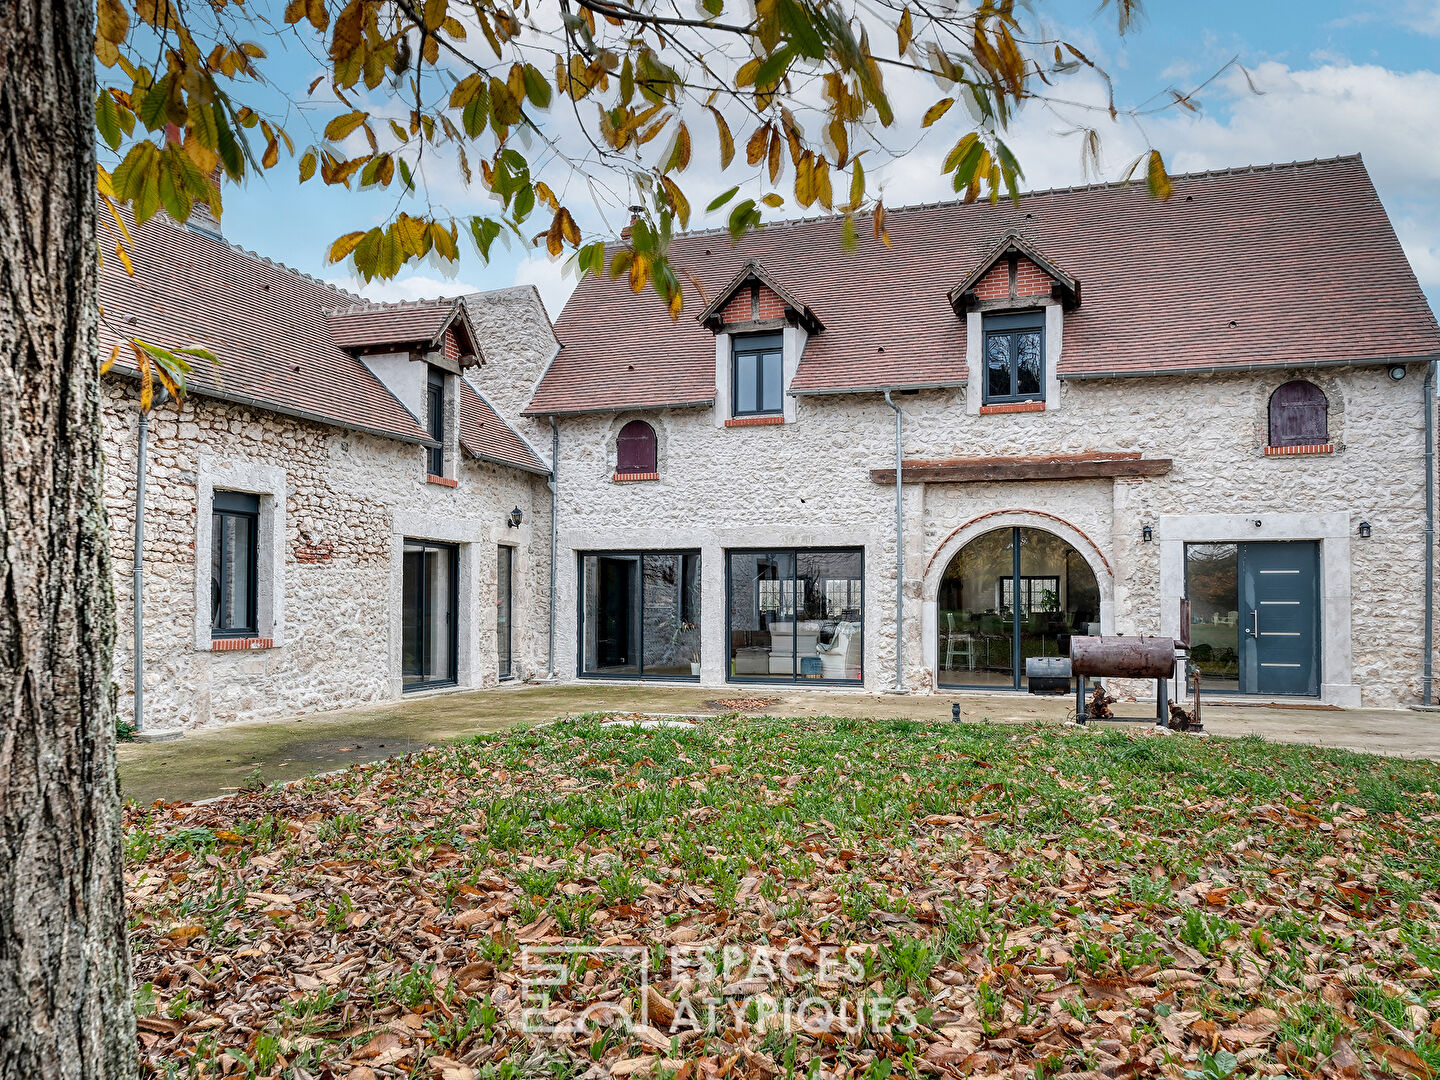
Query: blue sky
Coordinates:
[1335,78]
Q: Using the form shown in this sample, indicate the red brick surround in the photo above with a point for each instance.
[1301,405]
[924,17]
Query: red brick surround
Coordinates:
[1014,406]
[754,421]
[630,478]
[443,481]
[240,644]
[1290,451]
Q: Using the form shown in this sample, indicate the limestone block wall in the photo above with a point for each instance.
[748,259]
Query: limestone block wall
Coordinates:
[807,483]
[346,499]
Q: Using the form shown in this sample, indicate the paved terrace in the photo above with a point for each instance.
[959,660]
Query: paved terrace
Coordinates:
[217,761]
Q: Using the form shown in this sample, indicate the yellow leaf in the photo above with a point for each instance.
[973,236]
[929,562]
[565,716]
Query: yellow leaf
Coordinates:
[316,13]
[294,11]
[727,141]
[112,21]
[108,364]
[773,200]
[307,165]
[755,148]
[344,246]
[124,258]
[272,154]
[344,124]
[936,111]
[905,31]
[1157,178]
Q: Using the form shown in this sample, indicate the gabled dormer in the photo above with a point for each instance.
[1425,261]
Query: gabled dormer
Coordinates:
[417,351]
[760,328]
[1013,302]
[1014,274]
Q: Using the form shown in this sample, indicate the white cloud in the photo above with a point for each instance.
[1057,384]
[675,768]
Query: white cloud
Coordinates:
[415,287]
[550,277]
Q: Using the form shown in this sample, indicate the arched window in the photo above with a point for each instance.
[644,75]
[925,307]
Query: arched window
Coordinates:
[1298,415]
[635,449]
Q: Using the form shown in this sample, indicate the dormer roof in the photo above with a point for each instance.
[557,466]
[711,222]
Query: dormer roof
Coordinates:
[1012,249]
[752,272]
[416,325]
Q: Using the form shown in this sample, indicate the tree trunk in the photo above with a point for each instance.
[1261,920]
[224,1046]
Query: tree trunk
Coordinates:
[65,998]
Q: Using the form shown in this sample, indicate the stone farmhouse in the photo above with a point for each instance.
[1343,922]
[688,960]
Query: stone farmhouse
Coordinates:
[1059,416]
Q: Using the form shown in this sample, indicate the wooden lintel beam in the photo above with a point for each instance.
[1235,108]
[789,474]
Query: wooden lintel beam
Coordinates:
[1013,471]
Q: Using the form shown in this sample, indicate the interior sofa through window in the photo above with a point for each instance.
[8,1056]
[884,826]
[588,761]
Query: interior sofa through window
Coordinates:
[796,614]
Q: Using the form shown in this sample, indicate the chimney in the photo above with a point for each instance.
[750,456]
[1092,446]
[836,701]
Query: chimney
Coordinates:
[202,219]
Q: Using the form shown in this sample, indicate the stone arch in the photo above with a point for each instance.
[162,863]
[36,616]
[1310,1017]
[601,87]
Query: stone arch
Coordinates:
[977,526]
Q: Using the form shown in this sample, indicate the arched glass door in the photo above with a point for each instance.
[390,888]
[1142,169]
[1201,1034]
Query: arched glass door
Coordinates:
[1009,595]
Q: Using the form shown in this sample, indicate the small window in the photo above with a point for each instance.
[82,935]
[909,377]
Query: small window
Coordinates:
[435,416]
[635,449]
[234,533]
[1299,415]
[756,376]
[1015,358]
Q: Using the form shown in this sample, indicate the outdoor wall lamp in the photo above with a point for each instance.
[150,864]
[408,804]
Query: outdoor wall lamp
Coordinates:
[515,518]
[1364,530]
[1147,533]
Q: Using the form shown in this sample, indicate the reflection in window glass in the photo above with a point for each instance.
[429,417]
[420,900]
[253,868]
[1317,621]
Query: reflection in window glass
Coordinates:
[640,614]
[428,614]
[796,615]
[1212,583]
[234,526]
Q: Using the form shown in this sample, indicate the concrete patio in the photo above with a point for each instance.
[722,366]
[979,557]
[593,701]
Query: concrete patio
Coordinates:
[218,761]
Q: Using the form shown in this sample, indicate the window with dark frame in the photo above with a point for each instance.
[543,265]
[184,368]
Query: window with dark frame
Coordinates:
[234,535]
[635,449]
[1299,415]
[1015,358]
[435,417]
[757,375]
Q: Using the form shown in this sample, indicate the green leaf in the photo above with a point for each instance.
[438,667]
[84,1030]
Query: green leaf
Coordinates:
[107,119]
[721,199]
[745,216]
[484,230]
[537,87]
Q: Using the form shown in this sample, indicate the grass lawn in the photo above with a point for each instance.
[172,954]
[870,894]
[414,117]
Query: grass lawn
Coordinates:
[809,900]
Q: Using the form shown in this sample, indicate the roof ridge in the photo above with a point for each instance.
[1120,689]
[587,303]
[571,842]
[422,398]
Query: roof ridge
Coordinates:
[1233,170]
[392,305]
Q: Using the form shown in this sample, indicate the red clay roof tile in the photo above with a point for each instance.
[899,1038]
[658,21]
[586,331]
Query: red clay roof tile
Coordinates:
[485,435]
[1301,258]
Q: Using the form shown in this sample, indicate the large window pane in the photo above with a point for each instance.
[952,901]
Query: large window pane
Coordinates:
[640,614]
[796,615]
[611,624]
[762,614]
[1059,596]
[976,613]
[771,380]
[504,632]
[1212,582]
[1027,363]
[232,573]
[746,383]
[428,614]
[831,610]
[997,365]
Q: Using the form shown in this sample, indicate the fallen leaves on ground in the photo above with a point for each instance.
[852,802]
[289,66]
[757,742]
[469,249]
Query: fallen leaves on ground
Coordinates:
[1051,904]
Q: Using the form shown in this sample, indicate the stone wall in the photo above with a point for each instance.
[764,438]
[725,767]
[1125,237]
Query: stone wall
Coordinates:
[347,500]
[807,483]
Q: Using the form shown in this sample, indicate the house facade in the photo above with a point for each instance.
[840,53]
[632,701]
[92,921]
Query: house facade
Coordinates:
[1105,414]
[1106,405]
[336,513]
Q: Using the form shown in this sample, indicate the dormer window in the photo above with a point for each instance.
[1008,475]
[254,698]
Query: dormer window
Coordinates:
[1015,357]
[435,421]
[757,375]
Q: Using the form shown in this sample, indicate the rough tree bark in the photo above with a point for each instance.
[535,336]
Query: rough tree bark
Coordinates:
[65,1004]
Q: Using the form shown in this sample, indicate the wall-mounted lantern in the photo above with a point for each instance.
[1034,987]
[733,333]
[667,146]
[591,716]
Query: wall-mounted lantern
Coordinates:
[515,518]
[1364,530]
[1147,533]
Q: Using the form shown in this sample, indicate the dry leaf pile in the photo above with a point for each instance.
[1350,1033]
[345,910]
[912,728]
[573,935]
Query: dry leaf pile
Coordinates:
[1055,904]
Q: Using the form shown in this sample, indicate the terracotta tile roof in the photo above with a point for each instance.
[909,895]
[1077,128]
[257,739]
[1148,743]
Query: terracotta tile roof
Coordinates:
[416,322]
[264,322]
[485,435]
[1301,258]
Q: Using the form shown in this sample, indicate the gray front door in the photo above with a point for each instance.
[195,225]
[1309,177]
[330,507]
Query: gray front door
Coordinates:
[1280,617]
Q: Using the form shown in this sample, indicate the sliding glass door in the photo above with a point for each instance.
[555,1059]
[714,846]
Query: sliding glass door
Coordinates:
[640,614]
[428,614]
[504,604]
[796,615]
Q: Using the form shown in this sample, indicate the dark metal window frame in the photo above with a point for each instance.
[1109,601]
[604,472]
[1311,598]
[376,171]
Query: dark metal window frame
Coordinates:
[1011,327]
[795,679]
[435,420]
[507,552]
[246,507]
[454,680]
[639,555]
[756,345]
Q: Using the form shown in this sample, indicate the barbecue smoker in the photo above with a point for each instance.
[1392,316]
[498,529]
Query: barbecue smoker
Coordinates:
[1124,658]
